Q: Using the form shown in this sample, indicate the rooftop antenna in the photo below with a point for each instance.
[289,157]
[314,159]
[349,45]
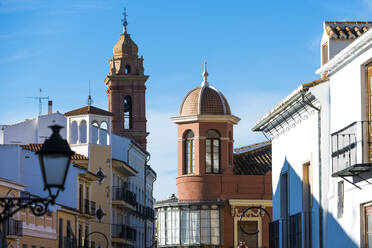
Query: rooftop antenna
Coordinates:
[124,20]
[40,98]
[90,100]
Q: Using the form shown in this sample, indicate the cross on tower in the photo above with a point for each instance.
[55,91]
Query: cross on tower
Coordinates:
[124,20]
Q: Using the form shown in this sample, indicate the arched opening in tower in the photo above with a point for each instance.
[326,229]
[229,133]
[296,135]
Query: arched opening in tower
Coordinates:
[127,112]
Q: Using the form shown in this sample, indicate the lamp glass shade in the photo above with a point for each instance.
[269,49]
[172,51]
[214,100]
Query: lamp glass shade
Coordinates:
[54,167]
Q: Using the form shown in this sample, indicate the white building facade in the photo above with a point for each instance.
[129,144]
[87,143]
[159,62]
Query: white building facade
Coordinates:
[87,132]
[320,134]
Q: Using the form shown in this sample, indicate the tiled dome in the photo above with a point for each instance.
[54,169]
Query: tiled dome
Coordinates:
[125,47]
[204,100]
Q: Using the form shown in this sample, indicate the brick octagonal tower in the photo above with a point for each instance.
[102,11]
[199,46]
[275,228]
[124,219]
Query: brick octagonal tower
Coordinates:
[205,143]
[126,90]
[214,185]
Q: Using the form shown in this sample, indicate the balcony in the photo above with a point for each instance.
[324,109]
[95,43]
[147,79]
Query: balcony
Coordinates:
[350,151]
[87,207]
[123,234]
[14,228]
[123,197]
[70,242]
[150,213]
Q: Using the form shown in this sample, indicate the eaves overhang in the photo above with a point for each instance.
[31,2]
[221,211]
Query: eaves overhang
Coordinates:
[288,106]
[206,118]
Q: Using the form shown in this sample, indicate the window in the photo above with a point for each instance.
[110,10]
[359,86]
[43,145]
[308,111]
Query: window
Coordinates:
[83,132]
[284,207]
[325,53]
[369,97]
[189,152]
[127,69]
[295,231]
[340,199]
[368,226]
[306,202]
[212,156]
[127,112]
[274,234]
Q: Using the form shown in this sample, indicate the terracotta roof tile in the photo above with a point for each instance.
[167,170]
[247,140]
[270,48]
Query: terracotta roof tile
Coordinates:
[37,147]
[253,160]
[346,30]
[204,100]
[88,110]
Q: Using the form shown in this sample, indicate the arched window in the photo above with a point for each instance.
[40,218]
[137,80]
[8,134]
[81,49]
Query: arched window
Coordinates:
[83,132]
[212,154]
[230,149]
[95,132]
[74,133]
[103,134]
[189,152]
[127,112]
[127,69]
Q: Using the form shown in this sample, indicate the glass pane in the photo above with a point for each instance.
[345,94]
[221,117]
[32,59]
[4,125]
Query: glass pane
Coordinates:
[55,168]
[168,231]
[192,156]
[195,227]
[189,134]
[369,223]
[212,134]
[187,156]
[208,157]
[369,241]
[175,226]
[185,227]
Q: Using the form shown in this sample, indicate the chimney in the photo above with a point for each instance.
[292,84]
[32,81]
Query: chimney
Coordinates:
[50,110]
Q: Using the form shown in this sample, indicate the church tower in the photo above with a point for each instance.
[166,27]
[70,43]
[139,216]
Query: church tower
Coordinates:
[126,89]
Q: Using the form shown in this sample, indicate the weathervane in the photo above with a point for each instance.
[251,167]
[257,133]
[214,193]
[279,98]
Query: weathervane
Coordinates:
[90,100]
[124,20]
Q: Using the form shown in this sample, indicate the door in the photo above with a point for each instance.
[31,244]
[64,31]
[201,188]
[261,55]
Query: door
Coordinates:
[368,226]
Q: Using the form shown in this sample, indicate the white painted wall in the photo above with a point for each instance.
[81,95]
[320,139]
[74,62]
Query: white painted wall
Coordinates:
[348,104]
[34,130]
[289,152]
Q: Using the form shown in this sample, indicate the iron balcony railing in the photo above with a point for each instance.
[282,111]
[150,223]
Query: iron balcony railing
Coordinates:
[14,227]
[123,194]
[349,147]
[123,232]
[150,213]
[89,207]
[70,242]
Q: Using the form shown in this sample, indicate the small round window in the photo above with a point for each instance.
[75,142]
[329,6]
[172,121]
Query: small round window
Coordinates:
[101,174]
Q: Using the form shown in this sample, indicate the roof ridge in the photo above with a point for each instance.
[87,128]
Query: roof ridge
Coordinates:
[252,145]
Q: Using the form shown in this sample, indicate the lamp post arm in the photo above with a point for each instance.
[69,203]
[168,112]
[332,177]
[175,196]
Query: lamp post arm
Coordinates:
[11,205]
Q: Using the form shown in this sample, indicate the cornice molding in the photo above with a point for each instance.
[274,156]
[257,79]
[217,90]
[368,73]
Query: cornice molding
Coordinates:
[206,118]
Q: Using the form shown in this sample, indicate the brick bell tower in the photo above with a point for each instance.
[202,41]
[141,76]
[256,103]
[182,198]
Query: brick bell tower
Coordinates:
[126,89]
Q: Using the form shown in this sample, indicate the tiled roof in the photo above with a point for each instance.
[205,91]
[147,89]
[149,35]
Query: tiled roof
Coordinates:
[172,198]
[204,100]
[88,110]
[346,30]
[253,160]
[37,147]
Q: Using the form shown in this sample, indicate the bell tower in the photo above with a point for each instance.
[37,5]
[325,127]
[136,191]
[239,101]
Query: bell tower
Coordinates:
[126,89]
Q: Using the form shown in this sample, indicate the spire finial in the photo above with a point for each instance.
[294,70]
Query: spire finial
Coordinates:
[90,100]
[205,75]
[124,21]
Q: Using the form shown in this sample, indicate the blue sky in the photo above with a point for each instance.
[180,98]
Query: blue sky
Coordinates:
[257,53]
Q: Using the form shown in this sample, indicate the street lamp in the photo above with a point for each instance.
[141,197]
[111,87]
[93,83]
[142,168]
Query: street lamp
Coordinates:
[54,157]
